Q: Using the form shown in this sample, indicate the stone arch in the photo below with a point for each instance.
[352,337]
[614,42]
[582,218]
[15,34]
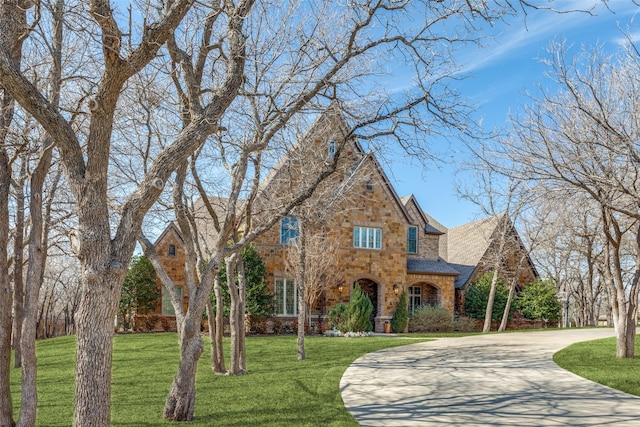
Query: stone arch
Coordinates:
[371,289]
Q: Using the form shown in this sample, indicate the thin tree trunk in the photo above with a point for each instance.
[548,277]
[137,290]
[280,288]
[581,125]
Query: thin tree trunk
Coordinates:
[242,300]
[211,320]
[492,295]
[302,312]
[6,295]
[507,308]
[218,364]
[18,262]
[235,324]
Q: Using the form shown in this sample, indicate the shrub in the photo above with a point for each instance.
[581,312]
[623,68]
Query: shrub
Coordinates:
[539,301]
[353,317]
[465,324]
[400,316]
[431,319]
[336,316]
[477,296]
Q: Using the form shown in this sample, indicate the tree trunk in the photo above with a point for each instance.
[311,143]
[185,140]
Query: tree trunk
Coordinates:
[18,262]
[507,308]
[215,357]
[35,275]
[6,296]
[235,323]
[492,294]
[94,320]
[242,301]
[181,402]
[302,312]
[218,363]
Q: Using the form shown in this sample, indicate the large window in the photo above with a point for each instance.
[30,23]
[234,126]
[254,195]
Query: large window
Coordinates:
[412,240]
[167,307]
[368,238]
[286,297]
[415,298]
[288,229]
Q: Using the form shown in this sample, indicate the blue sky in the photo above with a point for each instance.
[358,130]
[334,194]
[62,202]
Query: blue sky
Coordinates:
[502,71]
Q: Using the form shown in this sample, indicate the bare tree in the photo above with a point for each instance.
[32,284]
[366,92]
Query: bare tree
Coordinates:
[582,139]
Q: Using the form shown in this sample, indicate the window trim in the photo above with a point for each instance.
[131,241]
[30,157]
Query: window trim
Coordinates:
[414,240]
[367,238]
[287,283]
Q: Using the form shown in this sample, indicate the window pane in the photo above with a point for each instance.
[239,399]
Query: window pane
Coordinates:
[378,244]
[356,237]
[279,297]
[288,229]
[291,298]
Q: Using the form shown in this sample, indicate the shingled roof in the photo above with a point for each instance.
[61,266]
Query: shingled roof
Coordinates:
[467,244]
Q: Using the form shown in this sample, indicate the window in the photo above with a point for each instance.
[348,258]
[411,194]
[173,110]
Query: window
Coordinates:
[286,298]
[331,150]
[415,298]
[172,250]
[167,307]
[369,185]
[288,229]
[412,240]
[368,238]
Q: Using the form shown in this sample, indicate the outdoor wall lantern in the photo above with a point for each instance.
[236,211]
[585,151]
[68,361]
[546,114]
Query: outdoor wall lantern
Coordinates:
[396,289]
[340,286]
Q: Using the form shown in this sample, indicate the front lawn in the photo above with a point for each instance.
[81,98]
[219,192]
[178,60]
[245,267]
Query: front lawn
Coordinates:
[597,361]
[279,389]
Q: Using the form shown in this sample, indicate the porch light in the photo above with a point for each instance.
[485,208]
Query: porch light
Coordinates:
[340,286]
[396,289]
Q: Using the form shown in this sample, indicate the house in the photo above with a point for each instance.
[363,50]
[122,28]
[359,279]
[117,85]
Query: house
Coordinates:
[382,242]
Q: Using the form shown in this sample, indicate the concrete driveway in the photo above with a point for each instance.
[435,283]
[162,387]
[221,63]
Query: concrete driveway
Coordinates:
[486,380]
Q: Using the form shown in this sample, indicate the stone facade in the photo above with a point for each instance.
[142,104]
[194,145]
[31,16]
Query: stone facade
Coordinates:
[367,204]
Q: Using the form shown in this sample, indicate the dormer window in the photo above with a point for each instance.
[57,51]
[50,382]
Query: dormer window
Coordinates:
[331,150]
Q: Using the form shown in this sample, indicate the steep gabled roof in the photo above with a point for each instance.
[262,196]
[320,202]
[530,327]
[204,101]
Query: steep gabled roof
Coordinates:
[171,227]
[467,244]
[428,228]
[330,122]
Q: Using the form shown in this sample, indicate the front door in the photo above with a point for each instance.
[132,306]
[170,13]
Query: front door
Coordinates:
[370,289]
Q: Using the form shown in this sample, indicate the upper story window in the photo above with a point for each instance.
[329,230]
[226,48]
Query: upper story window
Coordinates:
[288,229]
[369,185]
[331,150]
[172,250]
[368,238]
[412,240]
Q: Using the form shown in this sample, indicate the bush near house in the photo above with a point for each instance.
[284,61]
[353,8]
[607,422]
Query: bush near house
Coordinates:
[431,319]
[477,297]
[400,316]
[139,291]
[353,317]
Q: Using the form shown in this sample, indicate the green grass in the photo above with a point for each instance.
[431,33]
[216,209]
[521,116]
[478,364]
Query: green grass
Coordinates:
[597,361]
[278,390]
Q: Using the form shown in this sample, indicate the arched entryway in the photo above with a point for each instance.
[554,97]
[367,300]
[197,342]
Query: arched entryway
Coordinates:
[370,289]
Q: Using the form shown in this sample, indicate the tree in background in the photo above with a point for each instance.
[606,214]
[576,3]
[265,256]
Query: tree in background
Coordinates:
[477,297]
[259,300]
[400,316]
[139,290]
[539,301]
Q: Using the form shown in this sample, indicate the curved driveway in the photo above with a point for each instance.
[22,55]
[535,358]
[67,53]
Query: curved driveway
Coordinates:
[485,380]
